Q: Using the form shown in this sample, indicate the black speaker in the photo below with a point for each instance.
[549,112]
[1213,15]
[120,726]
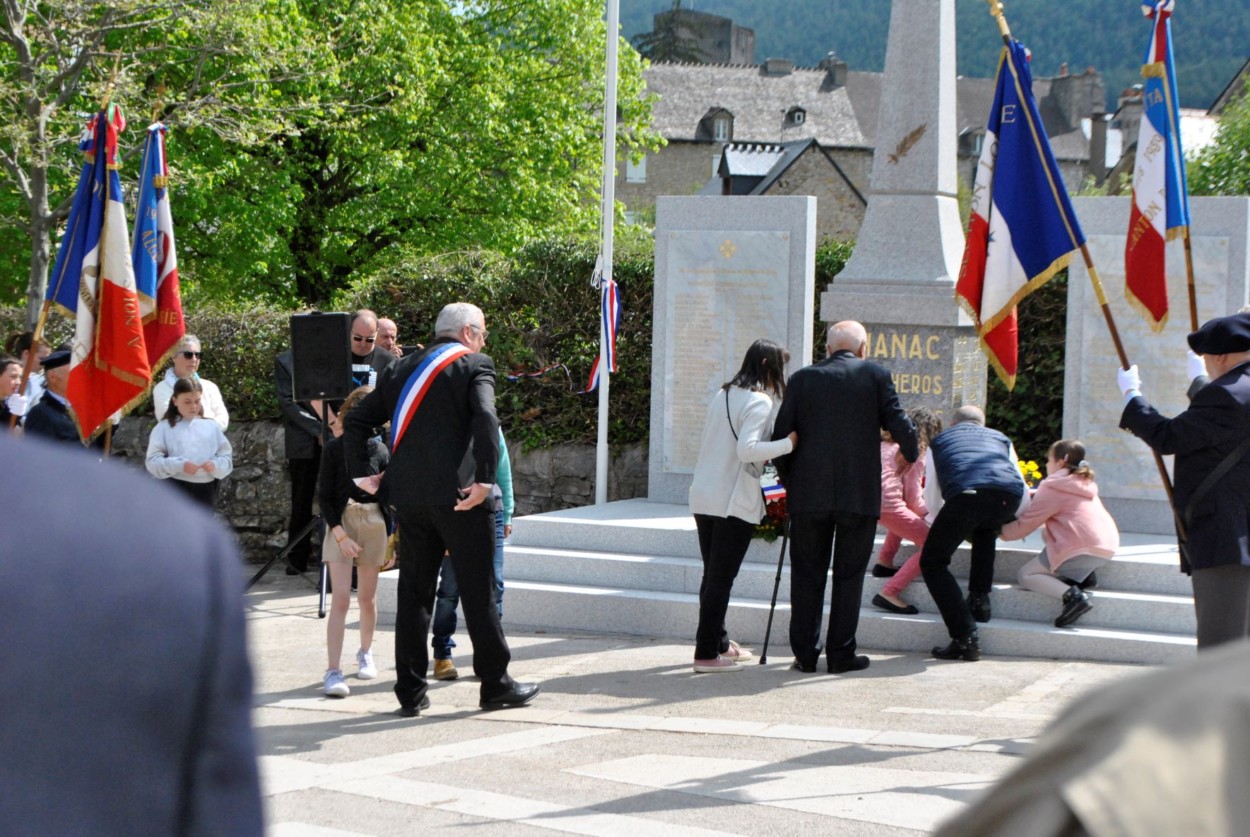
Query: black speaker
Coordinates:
[321,356]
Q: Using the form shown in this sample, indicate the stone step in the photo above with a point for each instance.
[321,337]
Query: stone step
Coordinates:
[651,613]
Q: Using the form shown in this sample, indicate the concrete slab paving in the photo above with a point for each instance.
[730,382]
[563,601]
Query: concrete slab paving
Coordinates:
[626,740]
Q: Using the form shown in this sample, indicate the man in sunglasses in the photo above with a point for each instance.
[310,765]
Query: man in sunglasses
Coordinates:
[186,364]
[368,358]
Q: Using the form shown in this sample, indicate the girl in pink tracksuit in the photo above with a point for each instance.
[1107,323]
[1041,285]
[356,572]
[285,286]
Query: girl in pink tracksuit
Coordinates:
[903,512]
[1079,533]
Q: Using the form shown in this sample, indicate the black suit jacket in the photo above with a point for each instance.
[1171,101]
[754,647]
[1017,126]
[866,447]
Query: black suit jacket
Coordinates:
[301,429]
[838,407]
[1217,420]
[451,441]
[51,420]
[124,674]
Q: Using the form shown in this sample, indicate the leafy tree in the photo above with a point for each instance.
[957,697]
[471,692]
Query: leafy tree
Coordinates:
[1223,168]
[470,125]
[211,62]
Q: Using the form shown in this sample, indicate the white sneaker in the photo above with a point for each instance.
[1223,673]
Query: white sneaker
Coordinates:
[365,669]
[736,653]
[335,685]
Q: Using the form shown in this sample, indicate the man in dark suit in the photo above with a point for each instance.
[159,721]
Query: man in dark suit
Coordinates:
[444,453]
[302,434]
[1212,498]
[126,687]
[838,407]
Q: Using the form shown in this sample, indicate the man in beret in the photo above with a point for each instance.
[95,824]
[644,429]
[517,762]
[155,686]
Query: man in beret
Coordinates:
[1211,442]
[52,417]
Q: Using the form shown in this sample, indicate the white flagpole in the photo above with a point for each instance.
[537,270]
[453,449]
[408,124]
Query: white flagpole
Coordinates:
[608,214]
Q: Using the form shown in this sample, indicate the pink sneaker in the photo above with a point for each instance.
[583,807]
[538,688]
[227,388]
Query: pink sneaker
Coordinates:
[736,653]
[713,666]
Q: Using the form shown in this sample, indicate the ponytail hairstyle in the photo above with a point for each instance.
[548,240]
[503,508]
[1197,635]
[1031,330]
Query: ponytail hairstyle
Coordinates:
[1071,453]
[181,387]
[928,425]
[763,369]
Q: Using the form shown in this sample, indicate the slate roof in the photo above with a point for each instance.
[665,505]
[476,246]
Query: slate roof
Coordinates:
[836,117]
[754,167]
[758,102]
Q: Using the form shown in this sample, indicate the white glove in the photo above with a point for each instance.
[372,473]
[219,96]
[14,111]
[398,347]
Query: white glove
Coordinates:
[1195,366]
[1128,379]
[17,404]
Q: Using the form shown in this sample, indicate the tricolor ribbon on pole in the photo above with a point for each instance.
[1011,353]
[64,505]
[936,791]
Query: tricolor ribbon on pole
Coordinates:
[154,255]
[1022,230]
[1160,209]
[93,281]
[610,314]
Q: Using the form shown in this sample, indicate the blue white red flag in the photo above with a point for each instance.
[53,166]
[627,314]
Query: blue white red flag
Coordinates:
[773,492]
[1160,210]
[610,317]
[1022,230]
[418,384]
[93,280]
[154,255]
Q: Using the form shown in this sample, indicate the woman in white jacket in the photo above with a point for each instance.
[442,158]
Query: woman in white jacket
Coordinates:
[187,448]
[725,496]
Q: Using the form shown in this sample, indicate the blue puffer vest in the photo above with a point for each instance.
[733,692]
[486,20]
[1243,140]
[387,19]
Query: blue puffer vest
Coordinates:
[969,456]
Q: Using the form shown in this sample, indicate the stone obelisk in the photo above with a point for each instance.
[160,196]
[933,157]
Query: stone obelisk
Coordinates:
[900,282]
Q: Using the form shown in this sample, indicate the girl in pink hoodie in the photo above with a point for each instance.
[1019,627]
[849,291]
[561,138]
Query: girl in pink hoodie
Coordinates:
[1079,533]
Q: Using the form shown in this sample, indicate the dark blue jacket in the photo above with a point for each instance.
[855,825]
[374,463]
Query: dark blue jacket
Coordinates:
[970,457]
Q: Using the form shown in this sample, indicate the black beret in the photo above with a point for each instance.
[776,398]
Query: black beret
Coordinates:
[56,359]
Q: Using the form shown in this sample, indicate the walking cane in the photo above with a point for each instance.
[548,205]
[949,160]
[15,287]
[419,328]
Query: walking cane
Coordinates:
[785,536]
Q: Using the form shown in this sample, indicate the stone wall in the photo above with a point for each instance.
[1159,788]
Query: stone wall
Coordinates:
[255,498]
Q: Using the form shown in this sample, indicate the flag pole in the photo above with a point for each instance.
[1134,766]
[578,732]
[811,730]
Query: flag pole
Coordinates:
[29,367]
[607,216]
[1189,275]
[996,11]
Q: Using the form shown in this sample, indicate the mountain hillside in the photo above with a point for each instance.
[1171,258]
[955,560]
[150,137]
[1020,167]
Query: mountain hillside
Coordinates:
[1211,38]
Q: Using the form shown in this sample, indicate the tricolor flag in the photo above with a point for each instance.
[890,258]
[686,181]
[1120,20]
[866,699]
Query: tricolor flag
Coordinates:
[610,315]
[93,280]
[773,492]
[1160,193]
[1022,230]
[154,256]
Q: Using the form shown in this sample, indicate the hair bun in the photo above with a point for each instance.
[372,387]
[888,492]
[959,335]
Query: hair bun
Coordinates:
[1084,463]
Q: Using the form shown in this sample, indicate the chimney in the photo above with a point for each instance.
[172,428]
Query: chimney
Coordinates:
[835,70]
[778,67]
[1098,146]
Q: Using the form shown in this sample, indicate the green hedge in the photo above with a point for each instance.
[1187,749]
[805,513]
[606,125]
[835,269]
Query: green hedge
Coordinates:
[542,312]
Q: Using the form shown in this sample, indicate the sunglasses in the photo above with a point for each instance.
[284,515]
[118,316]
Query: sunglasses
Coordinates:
[192,355]
[360,339]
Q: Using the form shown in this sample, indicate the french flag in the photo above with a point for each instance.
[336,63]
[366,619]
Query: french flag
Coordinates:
[154,255]
[774,492]
[95,284]
[1022,230]
[1160,210]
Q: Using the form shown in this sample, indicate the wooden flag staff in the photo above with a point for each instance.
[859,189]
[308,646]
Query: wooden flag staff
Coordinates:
[996,12]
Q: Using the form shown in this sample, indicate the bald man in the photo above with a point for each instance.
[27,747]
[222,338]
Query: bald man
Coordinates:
[838,407]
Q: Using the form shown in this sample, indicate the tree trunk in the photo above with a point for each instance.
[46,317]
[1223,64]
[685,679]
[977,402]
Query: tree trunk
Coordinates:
[41,226]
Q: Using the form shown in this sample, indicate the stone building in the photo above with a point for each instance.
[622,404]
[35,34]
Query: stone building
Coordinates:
[818,126]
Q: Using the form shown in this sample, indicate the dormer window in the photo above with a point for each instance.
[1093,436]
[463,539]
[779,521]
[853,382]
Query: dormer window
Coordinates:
[721,126]
[796,115]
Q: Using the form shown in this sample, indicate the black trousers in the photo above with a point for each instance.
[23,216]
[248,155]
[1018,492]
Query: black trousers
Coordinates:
[723,543]
[202,492]
[425,534]
[812,537]
[303,490]
[977,518]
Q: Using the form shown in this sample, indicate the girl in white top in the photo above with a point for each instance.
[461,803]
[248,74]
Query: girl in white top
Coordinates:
[187,448]
[725,496]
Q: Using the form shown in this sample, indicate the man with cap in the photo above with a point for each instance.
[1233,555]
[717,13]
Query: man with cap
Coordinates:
[51,417]
[1210,441]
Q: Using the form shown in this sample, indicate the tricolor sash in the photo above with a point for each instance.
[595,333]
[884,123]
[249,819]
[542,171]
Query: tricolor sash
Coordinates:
[418,383]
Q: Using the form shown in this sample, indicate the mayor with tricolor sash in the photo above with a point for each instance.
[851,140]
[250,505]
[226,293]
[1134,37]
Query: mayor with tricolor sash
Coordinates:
[444,452]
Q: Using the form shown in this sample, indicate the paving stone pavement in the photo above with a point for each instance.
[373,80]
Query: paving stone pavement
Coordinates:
[626,740]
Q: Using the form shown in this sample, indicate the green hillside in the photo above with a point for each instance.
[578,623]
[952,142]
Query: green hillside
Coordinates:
[1212,38]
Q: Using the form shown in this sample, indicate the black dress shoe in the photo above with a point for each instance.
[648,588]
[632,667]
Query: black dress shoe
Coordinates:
[968,648]
[806,668]
[979,604]
[1075,605]
[414,711]
[885,604]
[880,570]
[519,695]
[855,663]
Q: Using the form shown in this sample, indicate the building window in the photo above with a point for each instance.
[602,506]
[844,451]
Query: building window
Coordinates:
[720,129]
[797,116]
[636,172]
